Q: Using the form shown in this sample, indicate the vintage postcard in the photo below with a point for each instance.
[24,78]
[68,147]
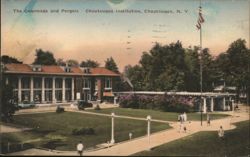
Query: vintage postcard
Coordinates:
[125,77]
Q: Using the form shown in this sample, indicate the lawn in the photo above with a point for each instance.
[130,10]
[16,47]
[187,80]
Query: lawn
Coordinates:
[168,116]
[236,143]
[54,131]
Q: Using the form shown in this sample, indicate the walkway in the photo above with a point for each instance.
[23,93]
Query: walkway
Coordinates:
[7,129]
[140,144]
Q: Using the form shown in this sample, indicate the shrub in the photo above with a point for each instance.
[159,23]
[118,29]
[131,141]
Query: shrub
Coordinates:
[158,102]
[59,109]
[83,104]
[83,131]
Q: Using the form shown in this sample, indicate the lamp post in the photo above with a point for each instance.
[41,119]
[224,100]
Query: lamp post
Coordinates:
[148,131]
[112,141]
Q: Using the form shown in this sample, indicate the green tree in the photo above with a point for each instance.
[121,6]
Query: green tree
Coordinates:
[72,62]
[44,58]
[164,67]
[8,103]
[208,73]
[111,65]
[89,63]
[233,66]
[60,62]
[135,75]
[7,59]
[192,75]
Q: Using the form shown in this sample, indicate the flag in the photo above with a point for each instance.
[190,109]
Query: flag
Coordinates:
[200,19]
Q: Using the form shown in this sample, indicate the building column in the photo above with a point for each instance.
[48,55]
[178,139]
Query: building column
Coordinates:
[224,103]
[73,89]
[43,90]
[31,89]
[53,90]
[204,105]
[212,104]
[63,89]
[19,89]
[6,80]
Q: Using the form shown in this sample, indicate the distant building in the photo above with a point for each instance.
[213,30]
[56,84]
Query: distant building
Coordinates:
[59,84]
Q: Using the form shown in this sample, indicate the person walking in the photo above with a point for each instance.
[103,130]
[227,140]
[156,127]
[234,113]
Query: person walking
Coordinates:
[221,133]
[185,116]
[79,148]
[208,119]
[181,122]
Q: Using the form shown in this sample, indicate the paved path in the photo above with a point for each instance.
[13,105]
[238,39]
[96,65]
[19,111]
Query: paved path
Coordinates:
[140,144]
[7,129]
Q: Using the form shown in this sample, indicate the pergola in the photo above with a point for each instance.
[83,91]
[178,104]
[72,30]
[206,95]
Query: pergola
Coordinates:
[205,96]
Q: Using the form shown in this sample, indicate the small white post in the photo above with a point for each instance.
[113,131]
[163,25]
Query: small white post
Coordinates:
[130,135]
[148,131]
[112,141]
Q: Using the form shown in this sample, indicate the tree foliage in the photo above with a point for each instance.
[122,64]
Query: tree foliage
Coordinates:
[60,62]
[89,63]
[44,58]
[8,59]
[72,63]
[172,67]
[8,103]
[111,65]
[233,66]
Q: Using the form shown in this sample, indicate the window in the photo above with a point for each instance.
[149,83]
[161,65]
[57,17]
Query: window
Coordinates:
[67,69]
[48,95]
[25,82]
[48,82]
[68,83]
[86,83]
[37,82]
[58,82]
[86,70]
[108,83]
[14,82]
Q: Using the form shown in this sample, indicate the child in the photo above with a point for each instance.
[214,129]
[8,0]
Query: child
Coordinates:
[185,129]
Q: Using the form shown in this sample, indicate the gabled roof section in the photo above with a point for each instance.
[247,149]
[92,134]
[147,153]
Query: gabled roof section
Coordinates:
[102,71]
[52,69]
[18,67]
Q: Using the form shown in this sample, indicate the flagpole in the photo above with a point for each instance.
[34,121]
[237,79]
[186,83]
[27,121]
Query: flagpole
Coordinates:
[201,68]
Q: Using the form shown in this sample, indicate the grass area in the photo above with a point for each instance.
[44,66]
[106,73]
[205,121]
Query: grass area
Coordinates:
[168,116]
[54,131]
[236,143]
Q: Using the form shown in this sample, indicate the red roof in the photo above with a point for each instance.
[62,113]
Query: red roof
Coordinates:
[58,70]
[102,71]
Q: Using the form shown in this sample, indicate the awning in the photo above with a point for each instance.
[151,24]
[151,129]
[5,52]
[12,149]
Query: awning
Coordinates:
[110,94]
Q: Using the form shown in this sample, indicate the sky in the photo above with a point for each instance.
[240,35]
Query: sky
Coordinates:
[83,35]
